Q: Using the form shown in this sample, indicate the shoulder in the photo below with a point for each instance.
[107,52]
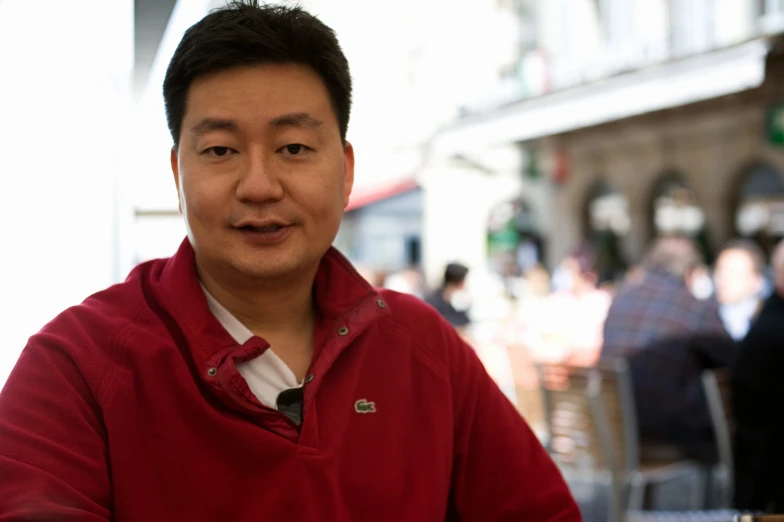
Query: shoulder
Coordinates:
[84,342]
[432,336]
[412,312]
[433,298]
[99,316]
[99,320]
[768,323]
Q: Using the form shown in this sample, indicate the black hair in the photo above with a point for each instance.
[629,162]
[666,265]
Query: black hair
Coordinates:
[245,33]
[751,248]
[676,254]
[454,274]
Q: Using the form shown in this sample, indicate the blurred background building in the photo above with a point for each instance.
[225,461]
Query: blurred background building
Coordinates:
[639,117]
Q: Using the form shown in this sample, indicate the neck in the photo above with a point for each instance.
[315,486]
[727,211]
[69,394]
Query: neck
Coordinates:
[746,301]
[447,292]
[265,307]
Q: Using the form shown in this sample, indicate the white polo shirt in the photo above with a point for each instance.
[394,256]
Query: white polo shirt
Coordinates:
[267,375]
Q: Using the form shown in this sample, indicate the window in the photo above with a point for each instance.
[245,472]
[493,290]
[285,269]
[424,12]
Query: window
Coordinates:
[608,210]
[677,212]
[607,222]
[760,208]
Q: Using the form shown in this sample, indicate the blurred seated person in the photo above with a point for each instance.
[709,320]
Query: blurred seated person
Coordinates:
[568,327]
[535,289]
[634,275]
[757,389]
[450,299]
[739,280]
[669,336]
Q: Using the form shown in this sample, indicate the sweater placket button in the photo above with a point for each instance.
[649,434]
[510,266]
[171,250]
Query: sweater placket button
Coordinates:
[343,331]
[212,371]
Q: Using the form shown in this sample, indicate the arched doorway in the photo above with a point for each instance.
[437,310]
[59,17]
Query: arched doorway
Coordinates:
[606,223]
[759,206]
[676,211]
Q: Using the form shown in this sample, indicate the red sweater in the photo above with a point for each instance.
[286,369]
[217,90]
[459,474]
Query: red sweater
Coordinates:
[129,407]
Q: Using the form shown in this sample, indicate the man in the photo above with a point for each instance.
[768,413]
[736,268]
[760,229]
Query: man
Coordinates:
[739,281]
[453,285]
[756,403]
[255,375]
[669,337]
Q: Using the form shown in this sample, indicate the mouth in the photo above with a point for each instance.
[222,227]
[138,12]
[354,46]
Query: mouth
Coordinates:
[264,233]
[265,229]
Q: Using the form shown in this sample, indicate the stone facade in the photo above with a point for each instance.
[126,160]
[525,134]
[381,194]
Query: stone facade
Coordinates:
[712,145]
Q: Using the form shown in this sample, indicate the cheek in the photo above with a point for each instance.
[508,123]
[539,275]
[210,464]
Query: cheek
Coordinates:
[323,199]
[326,214]
[201,204]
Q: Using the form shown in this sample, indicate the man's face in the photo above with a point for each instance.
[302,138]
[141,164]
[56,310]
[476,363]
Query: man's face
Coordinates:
[735,277]
[261,171]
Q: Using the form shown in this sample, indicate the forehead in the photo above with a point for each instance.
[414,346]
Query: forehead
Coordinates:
[258,93]
[736,257]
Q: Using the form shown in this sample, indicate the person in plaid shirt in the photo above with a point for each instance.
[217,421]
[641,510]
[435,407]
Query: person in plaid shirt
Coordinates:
[669,336]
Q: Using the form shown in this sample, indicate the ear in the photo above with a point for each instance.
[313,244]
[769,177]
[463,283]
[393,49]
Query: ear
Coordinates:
[348,172]
[175,166]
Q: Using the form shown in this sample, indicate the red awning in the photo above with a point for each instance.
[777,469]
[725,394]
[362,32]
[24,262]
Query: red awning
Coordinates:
[364,196]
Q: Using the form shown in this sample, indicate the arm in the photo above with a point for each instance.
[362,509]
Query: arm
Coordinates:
[755,391]
[501,471]
[53,451]
[711,342]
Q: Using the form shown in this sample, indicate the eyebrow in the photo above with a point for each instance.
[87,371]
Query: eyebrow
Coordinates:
[302,120]
[213,124]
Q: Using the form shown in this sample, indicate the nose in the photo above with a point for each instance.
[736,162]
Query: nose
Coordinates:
[259,180]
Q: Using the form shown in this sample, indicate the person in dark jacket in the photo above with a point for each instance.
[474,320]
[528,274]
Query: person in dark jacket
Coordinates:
[757,392]
[669,336]
[442,299]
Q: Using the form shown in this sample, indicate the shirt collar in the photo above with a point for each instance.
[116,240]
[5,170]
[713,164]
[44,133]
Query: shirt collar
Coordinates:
[175,291]
[238,331]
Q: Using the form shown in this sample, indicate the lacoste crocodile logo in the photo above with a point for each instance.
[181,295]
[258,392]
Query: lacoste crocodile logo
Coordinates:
[365,406]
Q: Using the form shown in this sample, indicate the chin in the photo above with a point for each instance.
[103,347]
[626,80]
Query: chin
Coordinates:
[269,266]
[267,272]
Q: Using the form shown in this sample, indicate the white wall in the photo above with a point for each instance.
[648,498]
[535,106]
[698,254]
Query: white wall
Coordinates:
[413,63]
[64,98]
[457,203]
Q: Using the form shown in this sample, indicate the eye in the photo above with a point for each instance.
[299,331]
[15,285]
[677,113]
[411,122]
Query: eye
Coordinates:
[294,149]
[219,152]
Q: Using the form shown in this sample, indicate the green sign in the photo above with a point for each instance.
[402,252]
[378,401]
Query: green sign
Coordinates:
[531,169]
[775,125]
[505,240]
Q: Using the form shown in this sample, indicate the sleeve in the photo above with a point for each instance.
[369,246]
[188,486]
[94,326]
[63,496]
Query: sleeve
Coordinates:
[711,342]
[501,472]
[755,384]
[708,319]
[53,449]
